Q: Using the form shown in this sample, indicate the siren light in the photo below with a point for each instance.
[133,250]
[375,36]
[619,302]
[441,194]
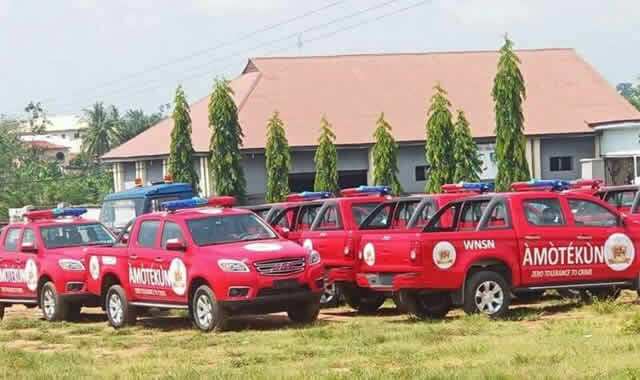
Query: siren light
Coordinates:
[55,213]
[308,196]
[365,190]
[478,187]
[593,184]
[541,184]
[223,201]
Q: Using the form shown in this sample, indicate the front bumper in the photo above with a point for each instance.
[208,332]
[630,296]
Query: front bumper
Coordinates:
[341,274]
[272,301]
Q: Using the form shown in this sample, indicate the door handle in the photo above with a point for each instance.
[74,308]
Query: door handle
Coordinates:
[386,237]
[323,234]
[584,237]
[532,237]
[159,260]
[133,257]
[18,261]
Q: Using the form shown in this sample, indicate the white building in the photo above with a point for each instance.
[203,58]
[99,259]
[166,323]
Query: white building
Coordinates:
[65,130]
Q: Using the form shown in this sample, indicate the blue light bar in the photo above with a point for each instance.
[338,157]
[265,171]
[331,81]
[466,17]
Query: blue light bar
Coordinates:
[184,203]
[553,184]
[315,194]
[68,211]
[374,189]
[483,187]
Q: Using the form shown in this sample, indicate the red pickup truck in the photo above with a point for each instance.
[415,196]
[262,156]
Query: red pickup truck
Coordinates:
[42,262]
[214,261]
[388,235]
[476,252]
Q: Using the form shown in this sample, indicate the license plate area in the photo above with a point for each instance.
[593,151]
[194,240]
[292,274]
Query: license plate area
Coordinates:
[286,284]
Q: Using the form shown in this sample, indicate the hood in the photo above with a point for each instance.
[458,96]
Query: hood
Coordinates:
[256,250]
[71,252]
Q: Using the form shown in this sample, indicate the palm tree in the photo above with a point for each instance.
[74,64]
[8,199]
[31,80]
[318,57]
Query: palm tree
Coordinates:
[103,132]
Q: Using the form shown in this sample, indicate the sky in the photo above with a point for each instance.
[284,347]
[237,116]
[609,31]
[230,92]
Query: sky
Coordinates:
[69,54]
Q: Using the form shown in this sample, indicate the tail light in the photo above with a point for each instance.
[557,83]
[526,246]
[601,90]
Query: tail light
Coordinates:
[349,246]
[415,251]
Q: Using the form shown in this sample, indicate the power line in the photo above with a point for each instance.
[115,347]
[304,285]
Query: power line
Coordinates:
[201,52]
[155,83]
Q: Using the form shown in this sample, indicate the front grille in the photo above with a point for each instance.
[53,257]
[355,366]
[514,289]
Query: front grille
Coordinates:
[280,267]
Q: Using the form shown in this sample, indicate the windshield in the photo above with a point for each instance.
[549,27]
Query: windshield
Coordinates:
[117,214]
[228,229]
[70,235]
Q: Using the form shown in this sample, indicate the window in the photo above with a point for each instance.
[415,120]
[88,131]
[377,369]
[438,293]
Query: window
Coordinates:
[306,216]
[228,229]
[11,240]
[29,237]
[403,213]
[60,156]
[421,172]
[73,235]
[424,214]
[171,230]
[497,217]
[64,136]
[621,199]
[148,232]
[117,213]
[378,218]
[329,219]
[361,211]
[76,135]
[560,164]
[445,219]
[591,214]
[543,212]
[471,215]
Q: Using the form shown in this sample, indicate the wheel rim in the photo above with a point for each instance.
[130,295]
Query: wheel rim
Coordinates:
[329,293]
[489,297]
[204,311]
[115,309]
[48,303]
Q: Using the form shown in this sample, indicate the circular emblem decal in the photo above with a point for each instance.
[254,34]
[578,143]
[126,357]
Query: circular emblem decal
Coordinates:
[444,255]
[263,247]
[308,245]
[369,254]
[94,267]
[178,276]
[619,252]
[31,275]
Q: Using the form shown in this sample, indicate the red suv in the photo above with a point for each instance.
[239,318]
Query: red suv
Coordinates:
[388,235]
[42,262]
[476,252]
[214,261]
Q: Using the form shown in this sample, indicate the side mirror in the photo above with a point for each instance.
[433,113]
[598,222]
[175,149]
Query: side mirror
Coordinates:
[282,231]
[124,238]
[175,245]
[28,248]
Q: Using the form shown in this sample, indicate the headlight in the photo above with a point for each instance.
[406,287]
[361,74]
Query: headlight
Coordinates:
[228,265]
[71,264]
[314,257]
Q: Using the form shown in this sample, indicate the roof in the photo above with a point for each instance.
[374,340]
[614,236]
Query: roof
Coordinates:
[46,145]
[564,95]
[147,191]
[59,124]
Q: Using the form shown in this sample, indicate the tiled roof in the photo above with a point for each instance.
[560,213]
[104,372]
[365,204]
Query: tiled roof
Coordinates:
[564,95]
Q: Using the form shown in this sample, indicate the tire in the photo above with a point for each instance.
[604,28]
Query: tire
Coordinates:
[54,308]
[401,306]
[208,315]
[496,292]
[331,296]
[73,312]
[528,296]
[604,294]
[305,313]
[119,312]
[571,294]
[427,306]
[364,301]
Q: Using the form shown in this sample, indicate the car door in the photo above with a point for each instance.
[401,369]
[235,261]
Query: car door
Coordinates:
[174,262]
[604,246]
[328,236]
[543,233]
[29,259]
[146,277]
[12,280]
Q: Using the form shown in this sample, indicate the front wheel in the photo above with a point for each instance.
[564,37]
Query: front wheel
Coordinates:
[304,313]
[363,300]
[207,314]
[119,312]
[54,308]
[488,293]
[401,306]
[427,306]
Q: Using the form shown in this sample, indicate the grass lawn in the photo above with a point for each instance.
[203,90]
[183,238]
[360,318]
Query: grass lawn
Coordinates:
[552,339]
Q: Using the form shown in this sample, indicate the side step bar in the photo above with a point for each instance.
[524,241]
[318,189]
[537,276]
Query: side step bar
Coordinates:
[159,305]
[622,284]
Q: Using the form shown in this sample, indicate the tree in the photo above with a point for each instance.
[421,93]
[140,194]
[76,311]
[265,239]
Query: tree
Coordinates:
[508,94]
[103,131]
[137,121]
[37,118]
[326,160]
[385,160]
[630,92]
[465,152]
[226,139]
[180,162]
[278,160]
[439,144]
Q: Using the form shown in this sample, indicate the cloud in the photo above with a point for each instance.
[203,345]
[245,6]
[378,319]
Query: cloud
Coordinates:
[218,7]
[4,9]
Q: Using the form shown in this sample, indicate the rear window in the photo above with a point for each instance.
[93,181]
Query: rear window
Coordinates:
[329,219]
[306,216]
[543,212]
[445,219]
[361,211]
